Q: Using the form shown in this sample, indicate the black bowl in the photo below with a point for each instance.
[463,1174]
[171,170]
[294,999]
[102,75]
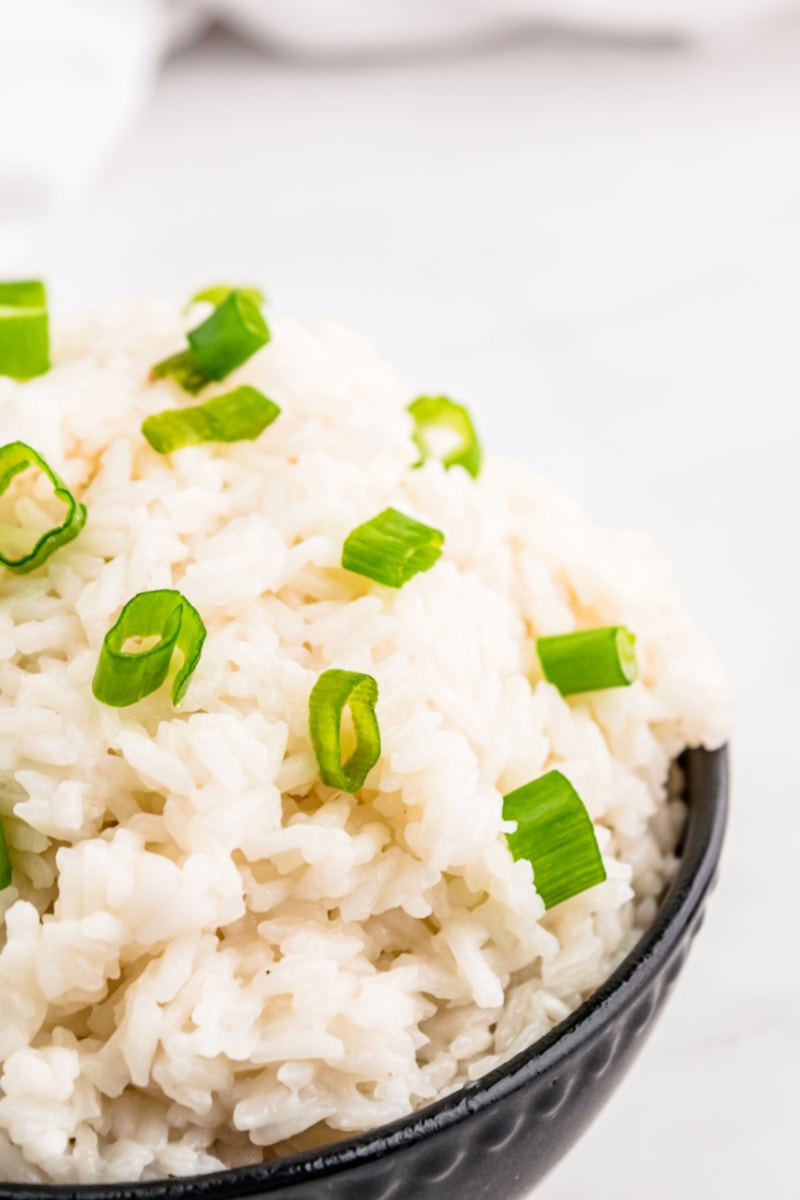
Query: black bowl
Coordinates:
[499,1136]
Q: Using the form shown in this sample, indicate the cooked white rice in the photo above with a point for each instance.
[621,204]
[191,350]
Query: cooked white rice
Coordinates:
[206,956]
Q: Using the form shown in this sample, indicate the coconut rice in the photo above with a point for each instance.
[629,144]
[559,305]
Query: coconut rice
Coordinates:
[208,957]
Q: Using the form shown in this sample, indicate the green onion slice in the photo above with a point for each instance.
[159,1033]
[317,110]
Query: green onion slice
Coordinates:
[219,292]
[332,693]
[392,548]
[240,415]
[125,675]
[5,861]
[590,660]
[14,458]
[24,329]
[226,339]
[438,413]
[555,834]
[184,370]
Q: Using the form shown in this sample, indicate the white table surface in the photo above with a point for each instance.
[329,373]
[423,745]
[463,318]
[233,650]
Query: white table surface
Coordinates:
[597,248]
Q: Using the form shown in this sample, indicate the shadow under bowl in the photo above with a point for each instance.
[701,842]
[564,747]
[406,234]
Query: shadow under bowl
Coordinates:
[499,1136]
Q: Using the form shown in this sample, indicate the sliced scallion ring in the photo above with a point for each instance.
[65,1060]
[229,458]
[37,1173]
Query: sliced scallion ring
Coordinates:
[16,457]
[555,834]
[184,370]
[220,291]
[391,548]
[124,674]
[5,861]
[590,660]
[239,415]
[230,335]
[432,413]
[24,329]
[334,691]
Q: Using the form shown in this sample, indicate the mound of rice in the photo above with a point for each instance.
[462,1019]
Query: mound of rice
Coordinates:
[206,955]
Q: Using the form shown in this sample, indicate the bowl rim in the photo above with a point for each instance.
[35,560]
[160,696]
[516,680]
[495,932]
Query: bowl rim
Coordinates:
[706,792]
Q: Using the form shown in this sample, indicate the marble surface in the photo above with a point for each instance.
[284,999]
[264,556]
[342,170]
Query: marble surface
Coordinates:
[596,247]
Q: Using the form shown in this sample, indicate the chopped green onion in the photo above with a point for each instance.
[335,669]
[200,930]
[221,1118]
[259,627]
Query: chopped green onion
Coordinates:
[240,415]
[184,370]
[332,693]
[590,660]
[219,292]
[14,458]
[23,293]
[556,836]
[391,548]
[5,862]
[433,413]
[226,339]
[24,330]
[125,675]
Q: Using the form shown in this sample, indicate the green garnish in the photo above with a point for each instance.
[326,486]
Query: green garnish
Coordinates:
[392,548]
[555,834]
[226,339]
[433,413]
[332,693]
[16,457]
[590,660]
[184,370]
[125,675]
[219,292]
[24,329]
[240,415]
[5,861]
[231,335]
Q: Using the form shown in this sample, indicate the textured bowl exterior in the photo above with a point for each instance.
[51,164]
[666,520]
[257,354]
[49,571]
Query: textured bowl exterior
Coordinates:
[496,1138]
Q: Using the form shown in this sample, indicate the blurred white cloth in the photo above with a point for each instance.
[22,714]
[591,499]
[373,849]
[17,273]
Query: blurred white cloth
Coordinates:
[74,73]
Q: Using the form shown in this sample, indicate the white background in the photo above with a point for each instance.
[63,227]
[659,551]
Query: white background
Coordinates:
[596,247]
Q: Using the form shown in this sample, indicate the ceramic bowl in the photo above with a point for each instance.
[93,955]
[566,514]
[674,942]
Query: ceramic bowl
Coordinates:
[497,1137]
